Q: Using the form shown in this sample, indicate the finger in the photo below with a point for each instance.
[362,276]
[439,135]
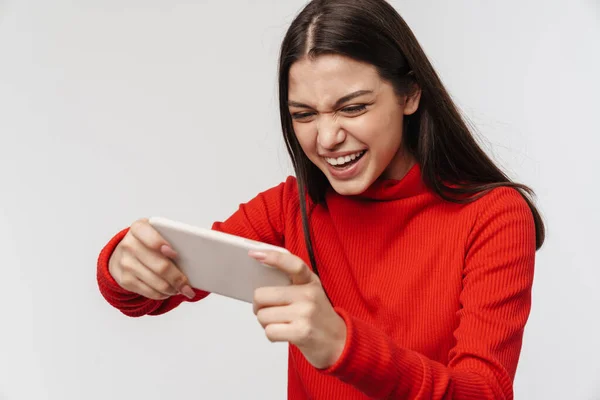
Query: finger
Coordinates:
[279,332]
[286,262]
[283,295]
[276,315]
[141,272]
[145,233]
[143,289]
[167,251]
[164,268]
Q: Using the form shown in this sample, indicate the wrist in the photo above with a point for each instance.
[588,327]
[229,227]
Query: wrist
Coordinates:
[111,262]
[339,342]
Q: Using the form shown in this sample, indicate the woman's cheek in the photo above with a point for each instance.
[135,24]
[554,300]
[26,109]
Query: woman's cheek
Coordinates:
[306,135]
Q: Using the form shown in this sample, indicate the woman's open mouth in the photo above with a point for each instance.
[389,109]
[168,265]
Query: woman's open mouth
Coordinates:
[345,162]
[346,167]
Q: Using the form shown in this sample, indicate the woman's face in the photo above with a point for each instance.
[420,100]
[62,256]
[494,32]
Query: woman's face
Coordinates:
[349,121]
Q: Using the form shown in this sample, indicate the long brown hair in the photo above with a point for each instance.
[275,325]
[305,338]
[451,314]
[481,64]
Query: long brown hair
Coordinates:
[371,31]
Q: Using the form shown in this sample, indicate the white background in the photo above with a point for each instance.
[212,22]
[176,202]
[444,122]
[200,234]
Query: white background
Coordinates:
[111,110]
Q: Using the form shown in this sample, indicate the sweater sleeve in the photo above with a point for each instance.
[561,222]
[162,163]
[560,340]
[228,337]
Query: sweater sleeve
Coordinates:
[495,305]
[259,219]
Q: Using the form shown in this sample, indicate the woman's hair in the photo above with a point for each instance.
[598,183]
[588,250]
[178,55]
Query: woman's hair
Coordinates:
[371,31]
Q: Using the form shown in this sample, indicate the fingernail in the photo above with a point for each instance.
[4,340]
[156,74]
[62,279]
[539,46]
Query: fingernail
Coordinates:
[188,292]
[257,254]
[168,251]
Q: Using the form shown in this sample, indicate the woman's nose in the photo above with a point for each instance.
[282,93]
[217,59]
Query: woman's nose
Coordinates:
[329,133]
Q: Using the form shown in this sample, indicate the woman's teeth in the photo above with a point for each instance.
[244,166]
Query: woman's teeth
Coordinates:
[341,161]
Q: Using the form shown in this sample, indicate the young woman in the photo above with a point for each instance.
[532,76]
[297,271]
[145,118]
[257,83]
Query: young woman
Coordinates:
[412,253]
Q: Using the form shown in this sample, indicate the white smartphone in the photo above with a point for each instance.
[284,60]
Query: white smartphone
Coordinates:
[217,262]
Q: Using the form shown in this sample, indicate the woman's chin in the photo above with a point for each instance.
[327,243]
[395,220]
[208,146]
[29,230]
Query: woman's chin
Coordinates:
[349,187]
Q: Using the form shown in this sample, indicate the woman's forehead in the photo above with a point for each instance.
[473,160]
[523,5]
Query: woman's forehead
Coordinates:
[330,76]
[330,65]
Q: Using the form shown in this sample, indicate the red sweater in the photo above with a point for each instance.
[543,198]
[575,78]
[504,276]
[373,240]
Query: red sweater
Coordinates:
[435,295]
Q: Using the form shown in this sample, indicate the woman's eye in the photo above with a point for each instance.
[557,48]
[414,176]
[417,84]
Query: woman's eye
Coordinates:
[301,116]
[354,109]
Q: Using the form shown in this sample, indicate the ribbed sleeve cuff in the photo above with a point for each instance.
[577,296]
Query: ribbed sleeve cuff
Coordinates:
[105,279]
[375,365]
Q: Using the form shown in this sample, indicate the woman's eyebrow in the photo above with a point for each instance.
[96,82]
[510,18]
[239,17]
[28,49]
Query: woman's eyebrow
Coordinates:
[338,103]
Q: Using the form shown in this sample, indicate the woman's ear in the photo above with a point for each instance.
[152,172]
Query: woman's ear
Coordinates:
[411,101]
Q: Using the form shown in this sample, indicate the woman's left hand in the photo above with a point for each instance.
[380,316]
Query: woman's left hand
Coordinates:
[300,313]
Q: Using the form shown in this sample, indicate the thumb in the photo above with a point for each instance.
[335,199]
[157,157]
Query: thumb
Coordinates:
[292,265]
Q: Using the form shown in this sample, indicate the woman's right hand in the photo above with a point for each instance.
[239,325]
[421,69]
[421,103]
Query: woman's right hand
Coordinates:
[143,263]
